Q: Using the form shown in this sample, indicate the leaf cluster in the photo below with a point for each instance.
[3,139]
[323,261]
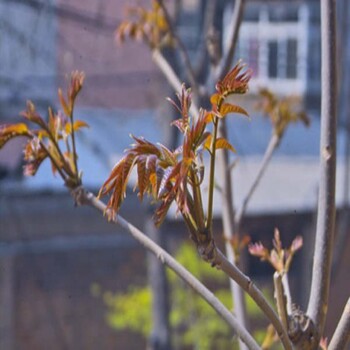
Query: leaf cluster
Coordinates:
[176,176]
[45,138]
[281,111]
[280,258]
[145,25]
[193,321]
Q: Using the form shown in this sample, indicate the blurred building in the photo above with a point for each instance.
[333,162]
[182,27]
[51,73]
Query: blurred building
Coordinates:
[50,253]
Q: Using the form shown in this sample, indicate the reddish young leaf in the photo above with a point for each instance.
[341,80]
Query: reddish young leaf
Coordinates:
[235,82]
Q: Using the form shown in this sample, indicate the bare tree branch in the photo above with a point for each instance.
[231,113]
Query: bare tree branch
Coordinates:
[246,283]
[281,299]
[286,289]
[341,336]
[182,49]
[224,167]
[233,31]
[86,198]
[227,215]
[273,144]
[171,76]
[318,302]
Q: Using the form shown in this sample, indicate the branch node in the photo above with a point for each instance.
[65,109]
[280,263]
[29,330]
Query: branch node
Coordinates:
[301,330]
[79,196]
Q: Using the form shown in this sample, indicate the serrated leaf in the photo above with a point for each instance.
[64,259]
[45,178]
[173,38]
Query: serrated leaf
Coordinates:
[167,156]
[227,108]
[142,176]
[224,144]
[163,209]
[235,81]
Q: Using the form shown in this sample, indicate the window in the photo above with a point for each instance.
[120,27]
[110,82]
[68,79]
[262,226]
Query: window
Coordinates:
[272,59]
[276,50]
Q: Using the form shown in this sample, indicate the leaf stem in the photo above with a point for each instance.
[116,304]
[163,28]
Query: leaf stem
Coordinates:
[281,299]
[71,118]
[198,203]
[212,174]
[53,160]
[57,147]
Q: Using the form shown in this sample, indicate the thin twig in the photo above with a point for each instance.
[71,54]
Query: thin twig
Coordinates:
[281,299]
[182,49]
[86,198]
[223,162]
[273,144]
[318,302]
[233,31]
[246,283]
[202,51]
[229,226]
[211,175]
[341,336]
[75,157]
[171,76]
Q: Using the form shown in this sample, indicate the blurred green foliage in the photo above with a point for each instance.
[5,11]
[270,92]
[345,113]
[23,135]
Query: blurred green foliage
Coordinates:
[194,323]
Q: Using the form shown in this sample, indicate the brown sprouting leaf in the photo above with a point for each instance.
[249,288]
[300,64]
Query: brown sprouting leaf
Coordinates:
[277,241]
[281,111]
[235,81]
[215,99]
[279,257]
[76,83]
[142,176]
[149,25]
[183,108]
[227,108]
[34,155]
[258,249]
[8,132]
[32,115]
[64,104]
[78,124]
[222,143]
